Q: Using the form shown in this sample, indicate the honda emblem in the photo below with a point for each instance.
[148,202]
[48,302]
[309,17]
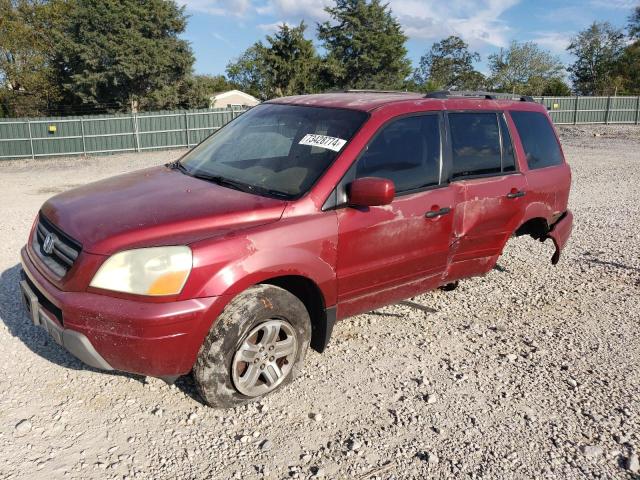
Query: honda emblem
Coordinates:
[47,246]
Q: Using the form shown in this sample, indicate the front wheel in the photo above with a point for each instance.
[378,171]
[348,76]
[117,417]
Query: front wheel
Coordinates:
[256,346]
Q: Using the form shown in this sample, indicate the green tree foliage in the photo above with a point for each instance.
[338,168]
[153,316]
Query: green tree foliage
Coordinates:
[598,50]
[27,79]
[200,88]
[365,46]
[627,70]
[634,24]
[249,73]
[286,65]
[112,54]
[291,61]
[556,87]
[449,65]
[524,68]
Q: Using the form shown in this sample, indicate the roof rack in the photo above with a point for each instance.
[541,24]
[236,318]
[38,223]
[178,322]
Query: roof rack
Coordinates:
[445,94]
[358,90]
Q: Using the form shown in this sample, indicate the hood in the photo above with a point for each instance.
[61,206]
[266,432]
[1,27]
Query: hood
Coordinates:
[152,207]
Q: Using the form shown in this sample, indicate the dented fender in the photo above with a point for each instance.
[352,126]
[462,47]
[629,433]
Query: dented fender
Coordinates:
[559,234]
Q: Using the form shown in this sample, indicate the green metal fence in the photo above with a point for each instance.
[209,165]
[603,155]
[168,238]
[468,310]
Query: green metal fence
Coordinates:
[586,110]
[103,134]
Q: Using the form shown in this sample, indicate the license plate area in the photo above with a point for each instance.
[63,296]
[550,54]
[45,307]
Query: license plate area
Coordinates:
[30,301]
[39,316]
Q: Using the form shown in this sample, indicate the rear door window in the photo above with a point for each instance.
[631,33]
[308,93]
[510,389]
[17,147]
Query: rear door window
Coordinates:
[406,151]
[475,140]
[538,139]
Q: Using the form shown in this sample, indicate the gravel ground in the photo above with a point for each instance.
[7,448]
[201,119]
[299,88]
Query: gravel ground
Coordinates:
[530,372]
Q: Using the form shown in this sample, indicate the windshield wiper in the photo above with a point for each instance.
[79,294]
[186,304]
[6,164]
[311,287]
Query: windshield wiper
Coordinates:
[274,193]
[225,182]
[243,187]
[178,166]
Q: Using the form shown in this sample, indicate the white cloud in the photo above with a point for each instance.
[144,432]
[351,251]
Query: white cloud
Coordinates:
[556,42]
[218,7]
[271,27]
[617,4]
[223,39]
[310,10]
[477,21]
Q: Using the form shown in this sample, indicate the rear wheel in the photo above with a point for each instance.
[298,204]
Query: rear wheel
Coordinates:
[256,346]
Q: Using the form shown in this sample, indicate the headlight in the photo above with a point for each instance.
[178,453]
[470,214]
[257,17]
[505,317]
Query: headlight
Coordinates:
[153,271]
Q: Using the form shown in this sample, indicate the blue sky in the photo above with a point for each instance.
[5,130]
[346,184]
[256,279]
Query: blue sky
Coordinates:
[220,30]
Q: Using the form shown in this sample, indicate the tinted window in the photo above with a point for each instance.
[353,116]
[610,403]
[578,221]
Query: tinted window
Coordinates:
[508,157]
[538,139]
[406,151]
[275,149]
[475,140]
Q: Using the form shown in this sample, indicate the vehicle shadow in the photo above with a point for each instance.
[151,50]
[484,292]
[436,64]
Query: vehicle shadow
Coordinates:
[18,322]
[596,261]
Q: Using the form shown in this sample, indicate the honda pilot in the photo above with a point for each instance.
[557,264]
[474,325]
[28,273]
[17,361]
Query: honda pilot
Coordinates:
[230,262]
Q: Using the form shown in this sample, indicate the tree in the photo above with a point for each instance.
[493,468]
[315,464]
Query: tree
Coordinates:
[286,65]
[634,24]
[628,69]
[449,65]
[524,68]
[556,87]
[365,46]
[27,80]
[249,72]
[597,50]
[290,61]
[116,54]
[199,89]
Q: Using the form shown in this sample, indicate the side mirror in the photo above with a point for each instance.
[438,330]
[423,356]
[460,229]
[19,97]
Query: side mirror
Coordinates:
[371,192]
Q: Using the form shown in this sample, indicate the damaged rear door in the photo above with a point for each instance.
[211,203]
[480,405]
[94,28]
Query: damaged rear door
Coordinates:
[490,192]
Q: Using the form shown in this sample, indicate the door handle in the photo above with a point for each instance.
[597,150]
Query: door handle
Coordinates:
[437,213]
[516,194]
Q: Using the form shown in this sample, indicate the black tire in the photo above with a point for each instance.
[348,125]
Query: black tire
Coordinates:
[258,304]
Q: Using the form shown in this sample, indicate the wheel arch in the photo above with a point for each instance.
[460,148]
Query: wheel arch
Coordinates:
[536,227]
[304,275]
[310,294]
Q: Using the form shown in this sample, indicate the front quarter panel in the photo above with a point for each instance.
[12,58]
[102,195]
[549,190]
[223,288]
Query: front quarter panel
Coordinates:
[303,245]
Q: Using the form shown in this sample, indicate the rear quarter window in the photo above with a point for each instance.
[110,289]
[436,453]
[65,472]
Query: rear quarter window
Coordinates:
[538,139]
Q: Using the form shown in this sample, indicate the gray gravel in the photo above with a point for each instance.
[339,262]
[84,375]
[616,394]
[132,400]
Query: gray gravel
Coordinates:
[530,372]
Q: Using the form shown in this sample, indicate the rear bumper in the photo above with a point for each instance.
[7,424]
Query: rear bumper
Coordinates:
[559,233]
[155,339]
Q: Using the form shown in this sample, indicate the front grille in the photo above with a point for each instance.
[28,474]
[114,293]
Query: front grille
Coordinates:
[57,250]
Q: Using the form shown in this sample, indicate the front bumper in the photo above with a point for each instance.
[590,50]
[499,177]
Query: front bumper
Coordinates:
[155,339]
[74,342]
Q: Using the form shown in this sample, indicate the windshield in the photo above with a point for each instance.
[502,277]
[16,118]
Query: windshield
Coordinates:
[275,149]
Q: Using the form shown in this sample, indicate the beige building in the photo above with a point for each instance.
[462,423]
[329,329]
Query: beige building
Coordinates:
[232,99]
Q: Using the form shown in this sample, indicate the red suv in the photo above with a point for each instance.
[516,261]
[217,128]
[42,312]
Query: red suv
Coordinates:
[305,210]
